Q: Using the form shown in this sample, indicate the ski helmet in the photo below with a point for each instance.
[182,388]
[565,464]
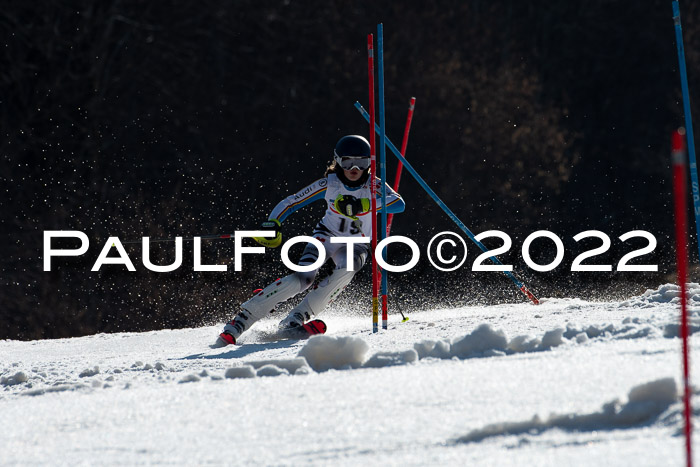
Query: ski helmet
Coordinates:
[352,151]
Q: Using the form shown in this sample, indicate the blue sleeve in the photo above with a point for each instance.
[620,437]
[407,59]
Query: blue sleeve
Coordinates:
[396,206]
[394,202]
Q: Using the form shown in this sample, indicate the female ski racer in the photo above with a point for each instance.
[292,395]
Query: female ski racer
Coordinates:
[345,189]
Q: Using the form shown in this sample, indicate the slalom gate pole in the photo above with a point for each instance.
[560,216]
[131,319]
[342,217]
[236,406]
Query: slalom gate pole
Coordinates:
[373,184]
[382,160]
[688,119]
[399,169]
[449,212]
[678,156]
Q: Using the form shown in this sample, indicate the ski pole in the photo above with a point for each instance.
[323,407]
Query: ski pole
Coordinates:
[449,212]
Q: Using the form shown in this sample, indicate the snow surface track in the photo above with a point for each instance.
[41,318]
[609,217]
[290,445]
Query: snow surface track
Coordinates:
[568,382]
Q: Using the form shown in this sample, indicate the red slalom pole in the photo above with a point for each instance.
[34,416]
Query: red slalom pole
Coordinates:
[678,157]
[399,168]
[397,181]
[373,184]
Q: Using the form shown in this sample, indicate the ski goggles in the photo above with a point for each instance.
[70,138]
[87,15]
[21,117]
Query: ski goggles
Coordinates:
[350,162]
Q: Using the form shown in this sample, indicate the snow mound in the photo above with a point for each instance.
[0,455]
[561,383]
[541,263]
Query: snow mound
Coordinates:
[383,359]
[322,353]
[524,344]
[334,352]
[435,349]
[631,328]
[272,367]
[553,338]
[485,341]
[644,404]
[661,390]
[667,293]
[271,370]
[18,378]
[89,372]
[482,339]
[191,378]
[245,371]
[674,329]
[290,365]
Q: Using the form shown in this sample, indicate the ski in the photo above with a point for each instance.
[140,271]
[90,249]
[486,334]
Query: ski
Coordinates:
[312,328]
[223,340]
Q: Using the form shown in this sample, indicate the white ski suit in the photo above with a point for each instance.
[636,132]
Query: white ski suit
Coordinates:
[333,224]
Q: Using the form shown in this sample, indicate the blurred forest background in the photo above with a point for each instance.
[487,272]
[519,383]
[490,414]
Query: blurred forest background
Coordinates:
[131,118]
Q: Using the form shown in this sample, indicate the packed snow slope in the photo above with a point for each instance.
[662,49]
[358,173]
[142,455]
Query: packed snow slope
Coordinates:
[568,382]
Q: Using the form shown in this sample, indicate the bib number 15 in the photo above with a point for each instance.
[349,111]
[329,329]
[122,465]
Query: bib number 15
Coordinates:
[347,223]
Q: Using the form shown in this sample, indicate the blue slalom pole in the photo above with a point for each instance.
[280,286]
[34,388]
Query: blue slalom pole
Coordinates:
[382,162]
[447,210]
[688,120]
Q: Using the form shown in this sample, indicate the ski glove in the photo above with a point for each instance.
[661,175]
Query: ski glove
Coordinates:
[271,224]
[350,206]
